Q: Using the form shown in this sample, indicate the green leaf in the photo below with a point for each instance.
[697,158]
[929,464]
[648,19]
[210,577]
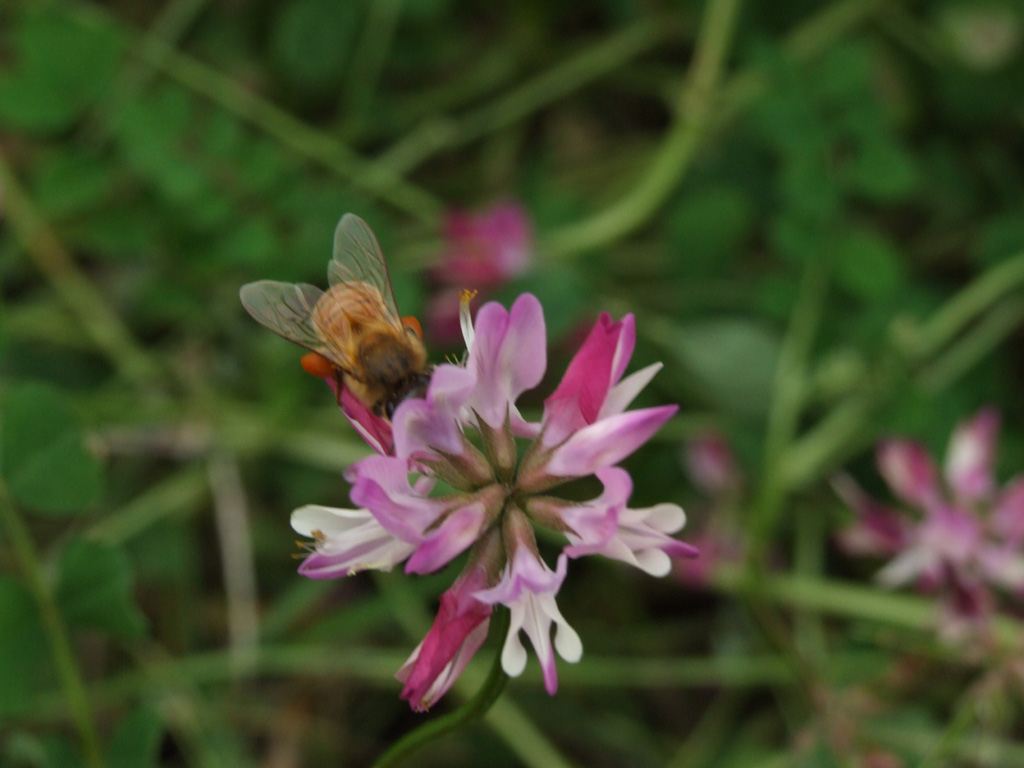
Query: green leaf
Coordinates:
[135,742]
[311,40]
[709,227]
[882,170]
[731,360]
[1001,237]
[70,180]
[94,589]
[43,457]
[868,265]
[61,66]
[24,649]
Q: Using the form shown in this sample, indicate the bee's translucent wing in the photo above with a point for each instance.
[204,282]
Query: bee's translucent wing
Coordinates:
[287,310]
[358,259]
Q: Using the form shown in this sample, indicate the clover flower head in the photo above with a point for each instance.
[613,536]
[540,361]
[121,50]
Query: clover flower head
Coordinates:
[962,538]
[452,480]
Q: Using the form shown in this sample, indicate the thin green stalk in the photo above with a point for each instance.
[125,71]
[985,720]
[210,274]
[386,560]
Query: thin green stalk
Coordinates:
[68,672]
[437,133]
[469,711]
[46,251]
[973,346]
[850,601]
[370,56]
[183,490]
[847,428]
[954,731]
[673,157]
[787,403]
[967,305]
[170,25]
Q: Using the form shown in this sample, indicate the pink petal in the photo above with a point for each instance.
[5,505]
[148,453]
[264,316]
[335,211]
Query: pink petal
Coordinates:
[456,534]
[424,425]
[970,456]
[909,471]
[608,441]
[1008,513]
[487,248]
[878,530]
[381,485]
[710,463]
[508,357]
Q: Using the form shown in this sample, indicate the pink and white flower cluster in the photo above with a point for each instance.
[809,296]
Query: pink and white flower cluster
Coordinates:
[964,540]
[448,478]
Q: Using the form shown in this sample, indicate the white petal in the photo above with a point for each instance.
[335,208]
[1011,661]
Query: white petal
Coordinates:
[905,567]
[622,394]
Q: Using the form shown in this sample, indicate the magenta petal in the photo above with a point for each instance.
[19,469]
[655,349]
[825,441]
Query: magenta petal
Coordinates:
[878,530]
[608,441]
[596,367]
[459,630]
[970,457]
[909,471]
[371,427]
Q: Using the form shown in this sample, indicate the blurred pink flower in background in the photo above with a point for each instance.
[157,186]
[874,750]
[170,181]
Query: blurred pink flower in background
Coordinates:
[482,251]
[491,498]
[962,539]
[711,465]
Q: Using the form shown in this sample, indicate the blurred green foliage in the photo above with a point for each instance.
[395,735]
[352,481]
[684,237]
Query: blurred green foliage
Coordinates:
[815,209]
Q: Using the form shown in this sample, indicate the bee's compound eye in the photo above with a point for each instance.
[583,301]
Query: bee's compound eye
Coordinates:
[389,408]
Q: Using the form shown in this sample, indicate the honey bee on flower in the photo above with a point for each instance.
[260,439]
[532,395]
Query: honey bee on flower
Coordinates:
[354,332]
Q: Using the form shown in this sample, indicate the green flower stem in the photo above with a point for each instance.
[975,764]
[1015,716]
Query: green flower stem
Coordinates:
[289,131]
[673,157]
[470,710]
[97,319]
[60,645]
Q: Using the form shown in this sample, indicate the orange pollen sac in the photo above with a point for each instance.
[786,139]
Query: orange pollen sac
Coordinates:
[317,365]
[411,322]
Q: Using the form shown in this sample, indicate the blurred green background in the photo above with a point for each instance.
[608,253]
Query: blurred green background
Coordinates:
[815,209]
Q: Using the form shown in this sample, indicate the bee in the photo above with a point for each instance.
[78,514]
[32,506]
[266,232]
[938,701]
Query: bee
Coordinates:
[353,331]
